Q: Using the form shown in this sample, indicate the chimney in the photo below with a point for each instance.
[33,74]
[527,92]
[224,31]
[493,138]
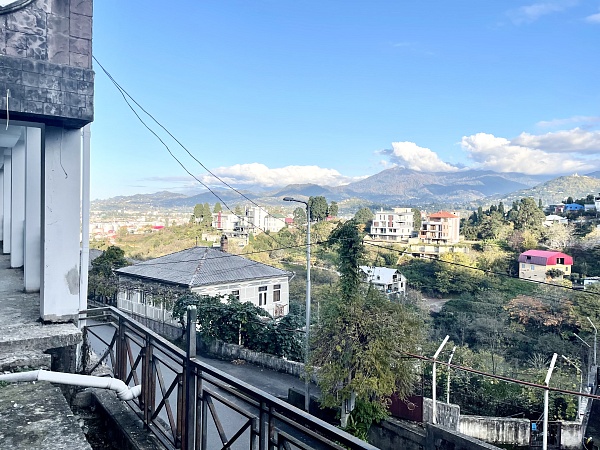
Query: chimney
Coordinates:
[224,244]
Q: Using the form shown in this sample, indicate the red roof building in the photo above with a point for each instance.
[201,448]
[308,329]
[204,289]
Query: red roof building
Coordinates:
[440,228]
[533,264]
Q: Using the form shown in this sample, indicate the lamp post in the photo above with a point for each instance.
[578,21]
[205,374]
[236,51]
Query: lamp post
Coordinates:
[307,341]
[546,391]
[448,386]
[595,338]
[589,358]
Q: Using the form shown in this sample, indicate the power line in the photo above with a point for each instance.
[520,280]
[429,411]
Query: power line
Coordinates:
[124,93]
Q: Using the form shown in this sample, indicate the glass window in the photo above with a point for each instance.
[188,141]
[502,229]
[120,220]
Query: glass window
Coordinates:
[262,296]
[276,292]
[235,294]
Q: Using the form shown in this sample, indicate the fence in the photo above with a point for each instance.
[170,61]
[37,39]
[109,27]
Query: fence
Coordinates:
[190,405]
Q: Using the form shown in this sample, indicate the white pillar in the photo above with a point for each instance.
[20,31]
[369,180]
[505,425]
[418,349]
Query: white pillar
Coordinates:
[17,219]
[85,218]
[61,172]
[33,221]
[2,195]
[7,197]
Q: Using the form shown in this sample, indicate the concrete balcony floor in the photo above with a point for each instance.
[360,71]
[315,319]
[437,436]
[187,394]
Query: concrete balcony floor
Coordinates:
[32,415]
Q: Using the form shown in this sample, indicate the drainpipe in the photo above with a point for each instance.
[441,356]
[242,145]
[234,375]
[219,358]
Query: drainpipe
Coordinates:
[123,391]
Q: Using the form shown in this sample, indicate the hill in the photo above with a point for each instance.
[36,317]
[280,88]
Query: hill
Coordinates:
[555,190]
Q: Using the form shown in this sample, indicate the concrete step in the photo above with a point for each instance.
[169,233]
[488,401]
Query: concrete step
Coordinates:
[37,416]
[25,360]
[36,336]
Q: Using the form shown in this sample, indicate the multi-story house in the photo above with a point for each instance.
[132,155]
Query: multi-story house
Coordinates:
[440,228]
[389,281]
[204,271]
[226,222]
[533,264]
[395,225]
[257,220]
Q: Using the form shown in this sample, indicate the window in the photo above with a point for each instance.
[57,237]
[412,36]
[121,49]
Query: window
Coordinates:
[235,294]
[276,292]
[532,267]
[522,265]
[560,260]
[262,296]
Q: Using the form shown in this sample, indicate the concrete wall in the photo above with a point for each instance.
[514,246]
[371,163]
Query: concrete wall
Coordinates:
[447,414]
[46,50]
[509,431]
[393,433]
[498,430]
[223,350]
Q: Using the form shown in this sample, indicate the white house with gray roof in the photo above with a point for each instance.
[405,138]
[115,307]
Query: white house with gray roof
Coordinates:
[204,271]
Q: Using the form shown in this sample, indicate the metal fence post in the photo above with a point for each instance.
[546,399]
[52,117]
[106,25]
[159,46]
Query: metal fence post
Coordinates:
[190,381]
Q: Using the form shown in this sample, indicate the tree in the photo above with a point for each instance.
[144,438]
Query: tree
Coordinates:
[103,283]
[333,209]
[528,215]
[206,213]
[417,218]
[238,211]
[360,342]
[318,208]
[501,208]
[299,216]
[217,208]
[198,212]
[363,216]
[569,200]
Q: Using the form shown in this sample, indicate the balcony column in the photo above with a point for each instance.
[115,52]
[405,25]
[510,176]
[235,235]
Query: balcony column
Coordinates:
[33,192]
[17,219]
[7,198]
[61,175]
[2,196]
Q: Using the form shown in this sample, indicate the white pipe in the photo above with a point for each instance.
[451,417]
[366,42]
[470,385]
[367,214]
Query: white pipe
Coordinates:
[123,391]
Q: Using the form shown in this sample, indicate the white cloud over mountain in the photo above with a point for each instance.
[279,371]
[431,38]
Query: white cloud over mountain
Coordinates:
[411,156]
[260,175]
[566,141]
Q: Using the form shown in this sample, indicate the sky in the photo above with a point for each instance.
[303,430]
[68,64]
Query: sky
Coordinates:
[266,93]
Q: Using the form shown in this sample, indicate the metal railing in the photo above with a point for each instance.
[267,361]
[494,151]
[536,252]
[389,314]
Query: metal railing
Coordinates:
[191,405]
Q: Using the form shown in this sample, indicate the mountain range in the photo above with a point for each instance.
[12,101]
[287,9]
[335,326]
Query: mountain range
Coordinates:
[391,187]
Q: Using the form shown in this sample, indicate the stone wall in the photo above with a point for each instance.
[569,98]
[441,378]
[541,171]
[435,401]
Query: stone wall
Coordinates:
[498,430]
[45,62]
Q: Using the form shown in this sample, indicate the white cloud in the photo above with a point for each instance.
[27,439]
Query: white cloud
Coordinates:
[583,120]
[260,175]
[531,13]
[594,18]
[411,156]
[565,141]
[502,155]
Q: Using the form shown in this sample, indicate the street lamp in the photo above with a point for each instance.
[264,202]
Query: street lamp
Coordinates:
[579,372]
[307,341]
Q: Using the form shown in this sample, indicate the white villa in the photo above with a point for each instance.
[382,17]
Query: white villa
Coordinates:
[389,281]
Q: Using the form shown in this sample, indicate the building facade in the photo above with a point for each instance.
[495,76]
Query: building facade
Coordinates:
[394,225]
[46,105]
[533,264]
[440,228]
[205,271]
[389,281]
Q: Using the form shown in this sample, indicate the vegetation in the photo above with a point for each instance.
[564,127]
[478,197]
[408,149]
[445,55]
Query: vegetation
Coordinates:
[103,284]
[360,341]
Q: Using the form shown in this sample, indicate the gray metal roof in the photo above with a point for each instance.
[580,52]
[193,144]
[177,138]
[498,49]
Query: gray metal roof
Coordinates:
[201,266]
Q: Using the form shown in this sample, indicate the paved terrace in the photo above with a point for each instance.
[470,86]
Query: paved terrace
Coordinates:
[32,415]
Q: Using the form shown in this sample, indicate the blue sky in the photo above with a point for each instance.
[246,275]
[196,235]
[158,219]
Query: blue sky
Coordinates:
[272,92]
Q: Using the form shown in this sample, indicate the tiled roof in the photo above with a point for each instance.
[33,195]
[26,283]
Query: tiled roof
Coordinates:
[201,266]
[442,215]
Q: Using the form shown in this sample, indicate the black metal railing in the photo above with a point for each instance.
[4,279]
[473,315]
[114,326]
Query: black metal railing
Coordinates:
[191,405]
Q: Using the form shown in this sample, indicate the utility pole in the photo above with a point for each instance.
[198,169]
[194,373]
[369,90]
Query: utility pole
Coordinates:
[595,338]
[307,334]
